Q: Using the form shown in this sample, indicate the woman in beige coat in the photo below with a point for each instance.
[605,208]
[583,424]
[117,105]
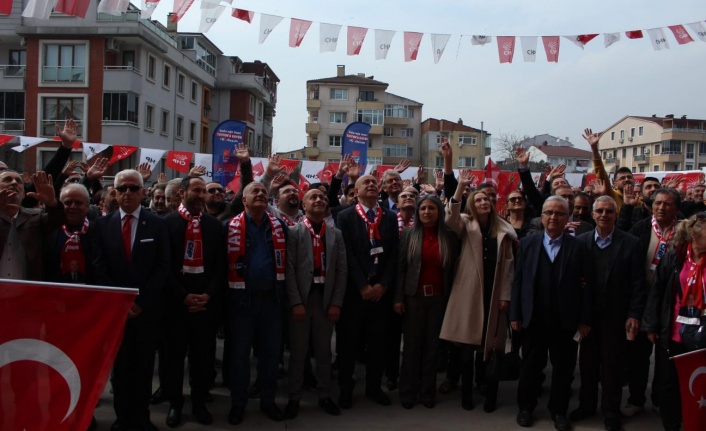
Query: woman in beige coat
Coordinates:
[480,295]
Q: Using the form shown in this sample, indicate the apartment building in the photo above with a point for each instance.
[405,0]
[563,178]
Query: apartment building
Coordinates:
[576,160]
[470,145]
[648,144]
[333,103]
[126,81]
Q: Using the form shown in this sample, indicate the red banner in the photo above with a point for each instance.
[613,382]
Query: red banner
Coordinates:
[691,368]
[72,7]
[634,34]
[411,45]
[506,48]
[179,160]
[242,14]
[5,7]
[297,31]
[57,346]
[356,36]
[680,34]
[121,152]
[551,48]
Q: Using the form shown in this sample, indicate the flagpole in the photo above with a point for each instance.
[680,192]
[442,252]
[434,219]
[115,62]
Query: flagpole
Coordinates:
[73,286]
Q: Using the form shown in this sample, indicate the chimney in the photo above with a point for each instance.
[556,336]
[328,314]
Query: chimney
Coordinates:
[669,116]
[460,121]
[545,143]
[362,75]
[341,70]
[683,117]
[171,25]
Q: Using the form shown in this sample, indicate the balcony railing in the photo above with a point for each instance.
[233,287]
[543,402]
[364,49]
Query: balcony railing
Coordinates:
[123,68]
[63,74]
[641,158]
[610,159]
[13,71]
[12,125]
[680,130]
[134,16]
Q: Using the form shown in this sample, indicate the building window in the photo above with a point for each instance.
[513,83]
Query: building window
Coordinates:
[12,111]
[179,127]
[612,136]
[690,150]
[338,117]
[128,59]
[258,143]
[407,132]
[251,107]
[151,68]
[167,76]
[688,168]
[466,162]
[656,149]
[624,153]
[149,117]
[314,143]
[655,168]
[467,140]
[194,91]
[121,107]
[250,138]
[632,132]
[396,150]
[640,130]
[334,141]
[388,131]
[569,162]
[339,94]
[260,110]
[442,136]
[366,96]
[438,162]
[181,80]
[17,63]
[399,111]
[374,117]
[315,117]
[164,123]
[374,161]
[671,147]
[622,134]
[56,110]
[192,132]
[64,63]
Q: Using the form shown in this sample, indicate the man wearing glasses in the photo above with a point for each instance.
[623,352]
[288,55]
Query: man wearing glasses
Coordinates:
[216,201]
[618,302]
[551,305]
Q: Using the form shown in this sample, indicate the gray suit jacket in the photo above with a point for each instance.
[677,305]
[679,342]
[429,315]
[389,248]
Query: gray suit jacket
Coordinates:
[300,266]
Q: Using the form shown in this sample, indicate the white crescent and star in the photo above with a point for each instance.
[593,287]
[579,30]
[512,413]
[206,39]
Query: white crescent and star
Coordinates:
[696,373]
[30,349]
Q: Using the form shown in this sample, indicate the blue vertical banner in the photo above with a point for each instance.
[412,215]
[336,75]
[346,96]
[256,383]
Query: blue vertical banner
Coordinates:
[226,136]
[355,142]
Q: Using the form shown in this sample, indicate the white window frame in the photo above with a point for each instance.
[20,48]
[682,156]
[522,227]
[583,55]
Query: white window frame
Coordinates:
[472,140]
[388,131]
[78,84]
[338,117]
[40,109]
[251,138]
[151,74]
[640,130]
[251,108]
[473,162]
[334,141]
[376,161]
[407,132]
[338,94]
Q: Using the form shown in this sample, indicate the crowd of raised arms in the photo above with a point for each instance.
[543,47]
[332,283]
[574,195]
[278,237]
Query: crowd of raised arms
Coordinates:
[411,277]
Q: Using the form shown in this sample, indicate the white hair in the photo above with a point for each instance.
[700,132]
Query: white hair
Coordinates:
[128,173]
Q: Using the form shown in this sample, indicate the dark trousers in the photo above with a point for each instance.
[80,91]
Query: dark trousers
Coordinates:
[453,367]
[194,333]
[393,337]
[422,325]
[133,369]
[601,357]
[362,320]
[639,353]
[260,321]
[668,384]
[536,341]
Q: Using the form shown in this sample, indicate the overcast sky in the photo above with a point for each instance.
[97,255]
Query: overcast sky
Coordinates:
[590,88]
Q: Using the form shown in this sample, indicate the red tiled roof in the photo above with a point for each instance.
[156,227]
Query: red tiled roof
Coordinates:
[348,80]
[436,125]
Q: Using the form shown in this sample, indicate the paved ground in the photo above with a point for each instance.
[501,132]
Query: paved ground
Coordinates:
[368,416]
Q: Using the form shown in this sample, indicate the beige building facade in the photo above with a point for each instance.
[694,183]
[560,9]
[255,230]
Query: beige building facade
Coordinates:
[470,145]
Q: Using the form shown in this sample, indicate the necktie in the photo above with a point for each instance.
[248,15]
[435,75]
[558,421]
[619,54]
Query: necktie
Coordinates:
[371,215]
[553,247]
[691,311]
[127,236]
[373,269]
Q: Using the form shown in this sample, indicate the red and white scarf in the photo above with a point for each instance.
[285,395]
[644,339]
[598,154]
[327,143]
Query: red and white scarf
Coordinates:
[662,245]
[236,249]
[193,245]
[292,221]
[401,224]
[71,251]
[694,281]
[317,245]
[373,231]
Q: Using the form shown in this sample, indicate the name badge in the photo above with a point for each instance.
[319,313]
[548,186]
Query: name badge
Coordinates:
[375,250]
[688,320]
[319,280]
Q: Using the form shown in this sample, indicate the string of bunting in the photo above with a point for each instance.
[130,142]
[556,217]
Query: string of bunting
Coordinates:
[329,34]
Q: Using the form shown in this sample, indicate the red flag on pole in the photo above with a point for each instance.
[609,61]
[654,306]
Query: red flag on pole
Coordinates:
[179,160]
[72,7]
[57,346]
[691,368]
[121,152]
[492,173]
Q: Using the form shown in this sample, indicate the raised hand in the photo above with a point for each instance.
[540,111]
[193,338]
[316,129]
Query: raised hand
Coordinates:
[162,178]
[599,187]
[439,176]
[273,165]
[44,189]
[557,172]
[522,156]
[353,170]
[428,189]
[99,167]
[629,195]
[591,138]
[144,170]
[68,133]
[402,166]
[421,174]
[445,148]
[674,182]
[242,152]
[197,171]
[465,178]
[26,178]
[70,167]
[277,181]
[343,166]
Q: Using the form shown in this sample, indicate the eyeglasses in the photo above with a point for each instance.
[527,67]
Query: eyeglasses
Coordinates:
[133,188]
[516,199]
[550,213]
[604,211]
[214,190]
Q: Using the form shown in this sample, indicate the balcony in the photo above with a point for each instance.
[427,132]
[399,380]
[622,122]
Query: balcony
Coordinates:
[396,121]
[64,74]
[122,78]
[12,126]
[376,130]
[313,128]
[311,152]
[609,160]
[313,104]
[13,71]
[376,106]
[643,158]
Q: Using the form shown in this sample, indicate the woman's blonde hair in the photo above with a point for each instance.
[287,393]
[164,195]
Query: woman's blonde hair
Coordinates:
[493,219]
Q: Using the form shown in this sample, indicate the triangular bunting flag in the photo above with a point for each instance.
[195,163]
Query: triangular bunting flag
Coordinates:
[180,8]
[356,36]
[201,159]
[438,45]
[242,14]
[506,48]
[40,9]
[121,152]
[634,34]
[209,16]
[551,48]
[383,40]
[28,142]
[328,37]
[92,150]
[529,48]
[72,7]
[481,39]
[581,40]
[698,28]
[267,24]
[6,7]
[610,38]
[113,7]
[179,160]
[151,157]
[411,45]
[148,7]
[4,139]
[680,34]
[297,31]
[657,38]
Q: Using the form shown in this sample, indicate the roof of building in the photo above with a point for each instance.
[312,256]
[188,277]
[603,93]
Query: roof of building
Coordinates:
[442,125]
[549,139]
[348,80]
[655,119]
[557,151]
[405,98]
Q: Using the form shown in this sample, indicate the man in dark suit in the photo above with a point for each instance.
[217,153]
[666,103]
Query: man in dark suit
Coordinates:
[551,299]
[371,237]
[316,284]
[575,226]
[131,249]
[618,302]
[194,291]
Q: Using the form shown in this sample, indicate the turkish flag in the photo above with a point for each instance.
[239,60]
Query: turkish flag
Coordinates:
[492,173]
[5,7]
[242,14]
[72,7]
[691,368]
[57,346]
[121,152]
[179,160]
[634,34]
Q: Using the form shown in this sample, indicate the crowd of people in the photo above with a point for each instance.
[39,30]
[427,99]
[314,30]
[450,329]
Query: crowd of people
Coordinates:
[411,277]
